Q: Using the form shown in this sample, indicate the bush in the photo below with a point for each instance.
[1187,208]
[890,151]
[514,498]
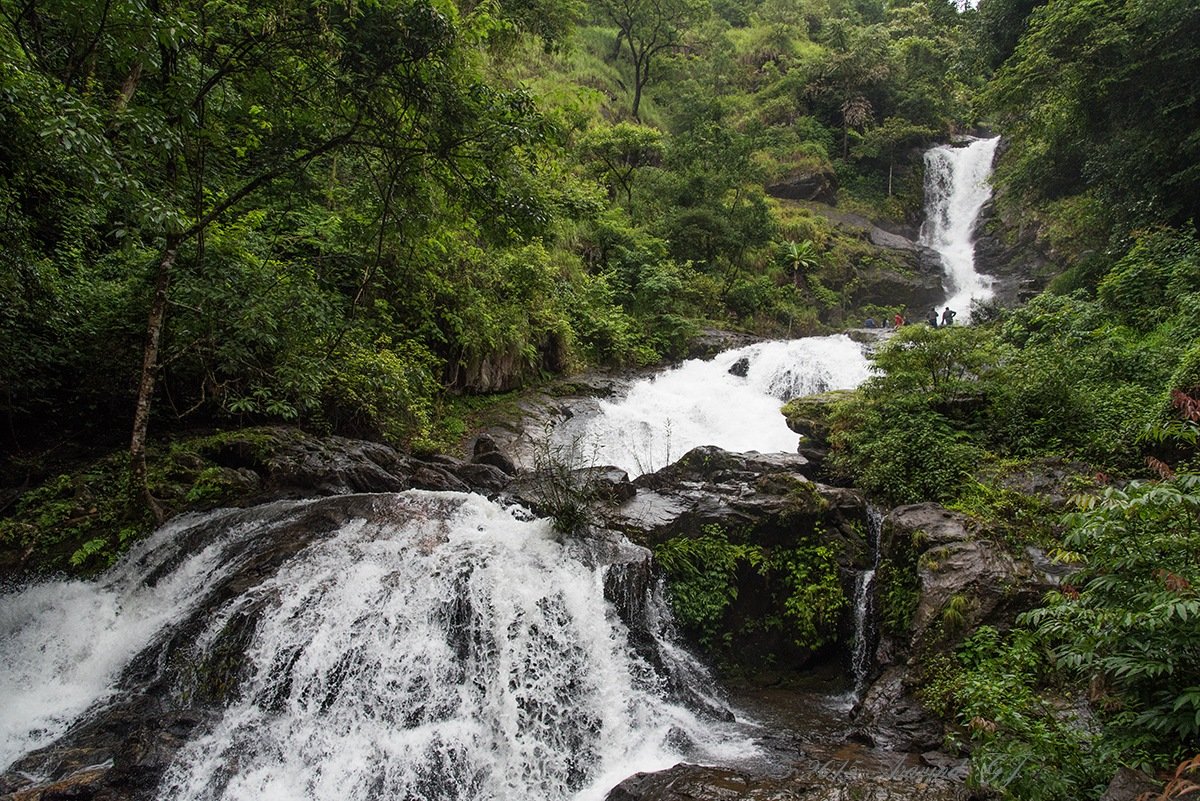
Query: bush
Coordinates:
[1025,746]
[1129,623]
[901,451]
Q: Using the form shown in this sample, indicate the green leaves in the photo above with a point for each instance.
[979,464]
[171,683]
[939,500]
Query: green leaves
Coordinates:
[1094,102]
[1132,621]
[801,584]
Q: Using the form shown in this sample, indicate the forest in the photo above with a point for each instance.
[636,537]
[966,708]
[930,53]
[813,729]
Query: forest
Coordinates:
[378,218]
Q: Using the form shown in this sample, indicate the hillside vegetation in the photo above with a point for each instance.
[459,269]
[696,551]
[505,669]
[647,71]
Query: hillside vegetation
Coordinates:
[363,218]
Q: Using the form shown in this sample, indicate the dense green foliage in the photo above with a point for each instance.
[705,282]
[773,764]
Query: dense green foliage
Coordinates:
[1066,376]
[1124,629]
[795,594]
[1100,106]
[349,211]
[1103,385]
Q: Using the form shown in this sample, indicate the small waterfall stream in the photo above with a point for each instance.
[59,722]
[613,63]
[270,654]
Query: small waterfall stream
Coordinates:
[956,189]
[731,401]
[866,634]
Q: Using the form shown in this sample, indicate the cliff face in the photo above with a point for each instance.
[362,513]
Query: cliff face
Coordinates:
[1008,247]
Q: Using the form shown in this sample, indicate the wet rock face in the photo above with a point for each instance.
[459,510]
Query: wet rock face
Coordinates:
[814,185]
[831,781]
[771,496]
[712,341]
[1010,251]
[961,580]
[762,504]
[287,463]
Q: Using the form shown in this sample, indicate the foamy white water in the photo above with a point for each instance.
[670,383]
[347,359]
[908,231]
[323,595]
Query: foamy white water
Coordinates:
[449,649]
[462,654]
[956,189]
[63,644]
[701,403]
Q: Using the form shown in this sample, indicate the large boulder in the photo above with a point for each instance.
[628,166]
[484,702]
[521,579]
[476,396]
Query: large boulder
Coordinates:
[288,463]
[771,496]
[778,553]
[830,781]
[806,184]
[1010,249]
[940,577]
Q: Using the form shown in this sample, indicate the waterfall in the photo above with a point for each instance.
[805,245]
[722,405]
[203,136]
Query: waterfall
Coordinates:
[64,644]
[731,401]
[422,645]
[956,189]
[865,619]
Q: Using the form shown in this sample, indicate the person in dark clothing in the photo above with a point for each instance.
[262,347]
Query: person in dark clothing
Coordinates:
[931,318]
[948,316]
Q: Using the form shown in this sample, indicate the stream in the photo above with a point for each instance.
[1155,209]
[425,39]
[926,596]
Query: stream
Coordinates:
[434,645]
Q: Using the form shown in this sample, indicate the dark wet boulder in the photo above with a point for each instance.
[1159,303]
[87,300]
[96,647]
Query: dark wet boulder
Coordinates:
[778,534]
[828,781]
[335,466]
[819,185]
[769,495]
[712,341]
[940,577]
[486,477]
[486,451]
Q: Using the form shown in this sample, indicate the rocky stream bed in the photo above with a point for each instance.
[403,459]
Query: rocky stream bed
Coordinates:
[817,737]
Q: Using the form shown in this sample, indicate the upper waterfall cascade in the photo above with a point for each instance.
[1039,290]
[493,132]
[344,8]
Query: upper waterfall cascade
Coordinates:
[445,648]
[956,189]
[702,402]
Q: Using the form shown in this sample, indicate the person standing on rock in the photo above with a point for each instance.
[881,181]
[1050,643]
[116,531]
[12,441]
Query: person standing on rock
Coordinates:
[948,316]
[931,318]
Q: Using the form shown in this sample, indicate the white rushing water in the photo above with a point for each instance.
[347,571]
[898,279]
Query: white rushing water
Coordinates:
[447,649]
[956,189]
[63,644]
[466,655]
[702,403]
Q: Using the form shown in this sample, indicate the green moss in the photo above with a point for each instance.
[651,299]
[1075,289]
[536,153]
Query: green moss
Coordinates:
[899,593]
[81,521]
[748,605]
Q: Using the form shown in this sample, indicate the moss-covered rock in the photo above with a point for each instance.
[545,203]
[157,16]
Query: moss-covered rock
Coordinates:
[756,553]
[809,416]
[79,522]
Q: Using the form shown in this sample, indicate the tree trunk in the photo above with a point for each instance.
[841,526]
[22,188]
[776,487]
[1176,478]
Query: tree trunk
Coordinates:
[139,489]
[128,87]
[637,92]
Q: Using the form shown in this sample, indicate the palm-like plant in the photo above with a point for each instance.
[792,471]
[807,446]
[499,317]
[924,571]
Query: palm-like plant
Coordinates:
[798,259]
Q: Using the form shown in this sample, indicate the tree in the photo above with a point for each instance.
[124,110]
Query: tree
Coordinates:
[1099,108]
[181,117]
[856,114]
[798,259]
[1127,621]
[620,151]
[893,134]
[648,28]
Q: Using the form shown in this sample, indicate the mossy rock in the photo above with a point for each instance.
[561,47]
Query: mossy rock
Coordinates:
[809,416]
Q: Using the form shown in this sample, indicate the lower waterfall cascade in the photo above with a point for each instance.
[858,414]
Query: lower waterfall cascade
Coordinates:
[448,648]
